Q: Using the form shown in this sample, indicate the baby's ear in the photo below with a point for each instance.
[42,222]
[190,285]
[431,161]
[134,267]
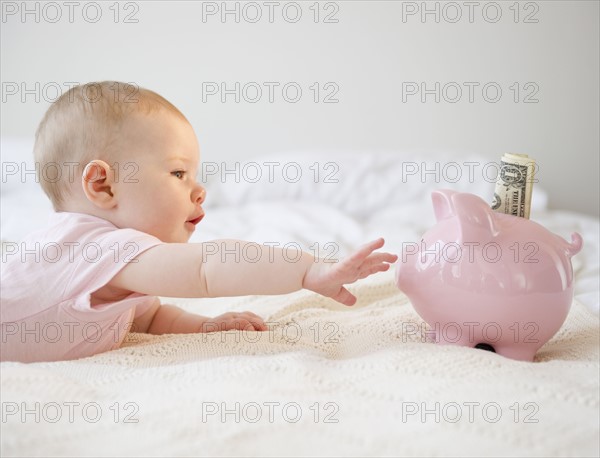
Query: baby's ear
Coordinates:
[97,183]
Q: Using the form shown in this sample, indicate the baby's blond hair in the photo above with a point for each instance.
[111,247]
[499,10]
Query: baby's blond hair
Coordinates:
[84,124]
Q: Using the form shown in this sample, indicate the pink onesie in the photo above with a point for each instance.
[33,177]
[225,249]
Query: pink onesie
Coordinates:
[47,280]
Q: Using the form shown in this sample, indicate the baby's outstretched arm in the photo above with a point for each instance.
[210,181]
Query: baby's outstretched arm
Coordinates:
[236,268]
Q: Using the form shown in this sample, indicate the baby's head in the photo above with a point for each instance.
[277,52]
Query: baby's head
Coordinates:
[124,154]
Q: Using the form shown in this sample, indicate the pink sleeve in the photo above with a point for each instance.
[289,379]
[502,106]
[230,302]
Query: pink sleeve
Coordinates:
[98,258]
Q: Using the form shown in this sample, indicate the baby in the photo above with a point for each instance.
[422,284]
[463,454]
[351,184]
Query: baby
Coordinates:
[126,202]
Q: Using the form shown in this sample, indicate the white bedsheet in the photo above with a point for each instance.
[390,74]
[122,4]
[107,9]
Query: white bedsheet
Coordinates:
[360,366]
[327,380]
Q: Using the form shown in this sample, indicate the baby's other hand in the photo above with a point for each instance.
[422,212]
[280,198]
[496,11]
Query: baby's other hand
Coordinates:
[241,321]
[329,279]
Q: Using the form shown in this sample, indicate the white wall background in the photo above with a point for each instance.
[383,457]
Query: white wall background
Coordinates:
[368,54]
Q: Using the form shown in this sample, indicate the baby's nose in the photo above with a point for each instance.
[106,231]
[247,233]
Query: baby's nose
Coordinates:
[199,195]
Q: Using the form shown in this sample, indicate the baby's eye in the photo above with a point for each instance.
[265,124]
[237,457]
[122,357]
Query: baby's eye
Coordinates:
[179,173]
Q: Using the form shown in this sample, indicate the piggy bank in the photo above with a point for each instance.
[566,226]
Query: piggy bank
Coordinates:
[488,280]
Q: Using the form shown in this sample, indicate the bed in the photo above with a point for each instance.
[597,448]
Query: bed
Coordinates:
[326,380]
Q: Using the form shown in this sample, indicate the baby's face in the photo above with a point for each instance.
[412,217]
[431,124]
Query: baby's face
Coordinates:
[157,192]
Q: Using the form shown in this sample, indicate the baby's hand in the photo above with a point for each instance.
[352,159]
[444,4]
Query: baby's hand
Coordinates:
[243,321]
[329,279]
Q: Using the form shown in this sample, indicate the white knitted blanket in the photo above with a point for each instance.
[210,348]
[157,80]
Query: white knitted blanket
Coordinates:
[326,380]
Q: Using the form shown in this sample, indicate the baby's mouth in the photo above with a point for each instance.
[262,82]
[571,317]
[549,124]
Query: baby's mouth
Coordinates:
[196,220]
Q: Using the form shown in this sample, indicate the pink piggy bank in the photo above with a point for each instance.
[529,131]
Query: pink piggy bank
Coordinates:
[488,280]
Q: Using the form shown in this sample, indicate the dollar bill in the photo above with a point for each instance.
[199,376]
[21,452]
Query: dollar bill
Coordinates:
[514,185]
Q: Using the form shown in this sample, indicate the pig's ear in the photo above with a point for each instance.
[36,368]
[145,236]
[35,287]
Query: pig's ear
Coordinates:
[475,217]
[442,203]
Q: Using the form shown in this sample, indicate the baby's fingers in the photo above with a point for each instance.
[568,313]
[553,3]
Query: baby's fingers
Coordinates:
[345,297]
[373,269]
[259,325]
[257,322]
[362,253]
[376,258]
[237,324]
